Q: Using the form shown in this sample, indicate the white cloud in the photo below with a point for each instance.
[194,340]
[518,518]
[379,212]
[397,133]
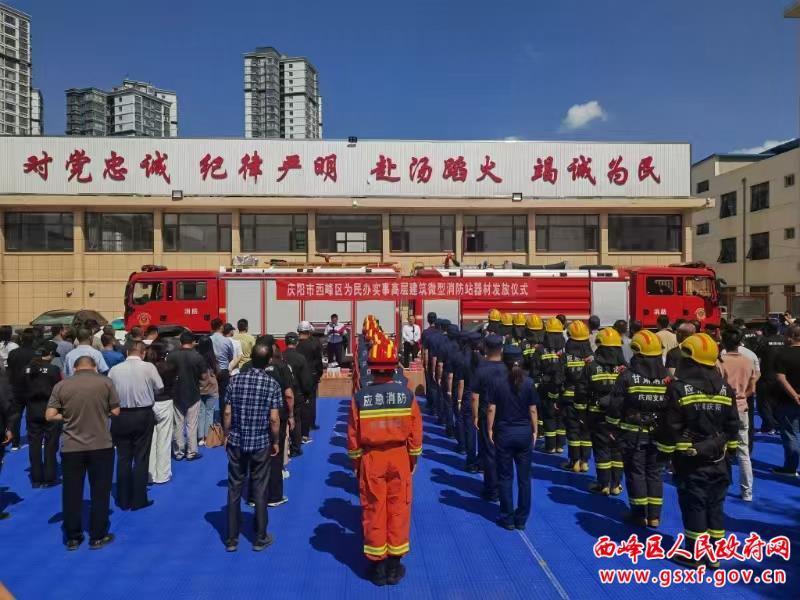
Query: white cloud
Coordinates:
[580,115]
[759,149]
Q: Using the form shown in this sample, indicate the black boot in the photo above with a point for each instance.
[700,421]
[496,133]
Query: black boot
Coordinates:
[395,570]
[378,573]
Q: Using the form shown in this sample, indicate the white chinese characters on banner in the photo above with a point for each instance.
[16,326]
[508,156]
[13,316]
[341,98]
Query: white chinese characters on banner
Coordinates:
[351,289]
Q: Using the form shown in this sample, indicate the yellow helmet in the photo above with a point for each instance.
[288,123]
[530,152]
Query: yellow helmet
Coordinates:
[609,337]
[578,331]
[554,325]
[519,320]
[534,323]
[506,319]
[646,343]
[701,348]
[494,315]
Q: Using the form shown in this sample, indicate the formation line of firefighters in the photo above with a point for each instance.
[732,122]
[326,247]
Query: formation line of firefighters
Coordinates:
[635,417]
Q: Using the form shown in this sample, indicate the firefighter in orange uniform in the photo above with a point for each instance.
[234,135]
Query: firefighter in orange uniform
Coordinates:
[384,439]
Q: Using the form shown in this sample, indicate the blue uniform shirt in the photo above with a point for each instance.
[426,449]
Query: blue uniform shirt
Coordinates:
[485,373]
[513,408]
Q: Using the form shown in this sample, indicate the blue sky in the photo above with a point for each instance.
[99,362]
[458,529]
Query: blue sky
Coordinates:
[719,74]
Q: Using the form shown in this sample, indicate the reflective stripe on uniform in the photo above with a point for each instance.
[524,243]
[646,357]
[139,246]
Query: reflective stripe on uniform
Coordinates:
[574,364]
[552,395]
[540,423]
[595,409]
[376,550]
[665,448]
[647,389]
[634,428]
[415,451]
[357,453]
[655,501]
[579,406]
[586,444]
[604,376]
[561,431]
[385,412]
[549,434]
[398,550]
[612,421]
[549,356]
[604,465]
[574,443]
[682,446]
[713,399]
[638,501]
[618,464]
[733,445]
[693,535]
[716,533]
[569,393]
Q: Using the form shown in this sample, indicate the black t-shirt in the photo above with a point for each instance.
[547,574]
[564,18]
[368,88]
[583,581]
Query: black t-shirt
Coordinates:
[311,348]
[18,361]
[673,358]
[787,361]
[190,368]
[40,379]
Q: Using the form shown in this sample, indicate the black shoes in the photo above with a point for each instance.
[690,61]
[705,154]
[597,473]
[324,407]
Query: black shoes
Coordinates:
[505,525]
[395,570]
[102,542]
[260,545]
[231,545]
[315,427]
[473,469]
[74,544]
[784,472]
[195,456]
[378,573]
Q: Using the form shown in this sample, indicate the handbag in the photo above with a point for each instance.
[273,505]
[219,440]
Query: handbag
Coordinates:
[215,436]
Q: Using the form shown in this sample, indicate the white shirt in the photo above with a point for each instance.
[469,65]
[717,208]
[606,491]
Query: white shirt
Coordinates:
[136,382]
[411,333]
[237,353]
[5,350]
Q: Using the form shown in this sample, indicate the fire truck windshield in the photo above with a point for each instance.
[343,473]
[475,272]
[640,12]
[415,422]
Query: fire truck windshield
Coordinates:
[147,291]
[699,286]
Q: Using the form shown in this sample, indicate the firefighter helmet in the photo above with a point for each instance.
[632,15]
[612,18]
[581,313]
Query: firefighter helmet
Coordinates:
[609,337]
[519,320]
[494,315]
[534,323]
[382,356]
[578,331]
[553,325]
[507,319]
[701,348]
[646,343]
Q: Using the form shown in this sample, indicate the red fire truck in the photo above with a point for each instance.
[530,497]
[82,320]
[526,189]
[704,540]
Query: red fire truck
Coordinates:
[275,299]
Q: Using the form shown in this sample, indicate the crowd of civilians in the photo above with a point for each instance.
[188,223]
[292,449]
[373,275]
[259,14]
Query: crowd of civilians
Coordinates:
[147,402]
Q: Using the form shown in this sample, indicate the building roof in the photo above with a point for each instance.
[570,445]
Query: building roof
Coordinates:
[738,157]
[15,11]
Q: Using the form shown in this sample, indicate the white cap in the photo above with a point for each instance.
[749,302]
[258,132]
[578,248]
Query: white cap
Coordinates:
[305,326]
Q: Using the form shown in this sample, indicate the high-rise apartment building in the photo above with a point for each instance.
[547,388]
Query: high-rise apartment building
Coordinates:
[15,74]
[37,112]
[134,108]
[281,96]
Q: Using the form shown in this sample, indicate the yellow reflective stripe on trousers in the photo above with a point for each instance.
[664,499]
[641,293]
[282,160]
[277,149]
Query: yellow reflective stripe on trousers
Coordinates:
[681,446]
[716,533]
[595,409]
[655,501]
[618,464]
[647,389]
[573,444]
[415,451]
[693,535]
[612,421]
[561,431]
[665,448]
[634,428]
[357,453]
[398,550]
[708,398]
[579,406]
[733,445]
[569,393]
[385,412]
[586,444]
[604,465]
[638,501]
[375,550]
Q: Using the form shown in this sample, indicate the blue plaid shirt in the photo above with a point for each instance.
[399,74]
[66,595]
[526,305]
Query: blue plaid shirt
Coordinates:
[251,395]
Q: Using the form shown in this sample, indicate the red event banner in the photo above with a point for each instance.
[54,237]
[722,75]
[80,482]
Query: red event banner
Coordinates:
[390,289]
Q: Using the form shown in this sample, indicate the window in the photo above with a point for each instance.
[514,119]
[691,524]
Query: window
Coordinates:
[197,232]
[759,246]
[759,196]
[38,232]
[702,186]
[788,233]
[567,233]
[660,286]
[423,233]
[349,233]
[727,250]
[727,205]
[274,233]
[644,233]
[495,233]
[788,180]
[702,228]
[191,290]
[117,232]
[147,291]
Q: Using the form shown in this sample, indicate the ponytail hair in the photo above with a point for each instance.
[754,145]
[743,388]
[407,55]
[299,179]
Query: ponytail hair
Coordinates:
[515,375]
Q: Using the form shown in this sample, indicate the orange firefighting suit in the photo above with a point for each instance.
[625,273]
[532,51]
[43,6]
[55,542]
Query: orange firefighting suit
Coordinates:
[384,439]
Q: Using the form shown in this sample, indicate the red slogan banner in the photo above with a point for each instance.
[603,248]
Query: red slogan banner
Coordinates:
[391,289]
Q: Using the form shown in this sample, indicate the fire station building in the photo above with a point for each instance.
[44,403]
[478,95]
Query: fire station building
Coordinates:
[78,215]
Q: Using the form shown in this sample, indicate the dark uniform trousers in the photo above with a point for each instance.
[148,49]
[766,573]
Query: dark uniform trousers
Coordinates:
[132,432]
[514,444]
[607,452]
[766,390]
[431,393]
[43,439]
[702,487]
[644,473]
[487,456]
[99,464]
[465,429]
[310,412]
[555,434]
[259,466]
[275,482]
[579,440]
[296,434]
[447,407]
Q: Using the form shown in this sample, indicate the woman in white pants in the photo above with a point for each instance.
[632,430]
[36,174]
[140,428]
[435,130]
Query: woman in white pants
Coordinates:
[160,468]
